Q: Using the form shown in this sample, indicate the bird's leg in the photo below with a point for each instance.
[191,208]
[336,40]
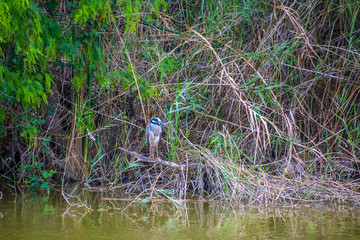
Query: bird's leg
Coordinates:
[150,155]
[157,154]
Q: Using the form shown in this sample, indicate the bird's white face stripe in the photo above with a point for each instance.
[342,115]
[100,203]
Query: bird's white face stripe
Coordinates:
[155,121]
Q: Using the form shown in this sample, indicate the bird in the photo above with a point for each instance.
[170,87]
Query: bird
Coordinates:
[153,134]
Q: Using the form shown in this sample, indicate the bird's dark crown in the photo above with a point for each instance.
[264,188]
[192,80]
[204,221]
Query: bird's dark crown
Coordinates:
[156,121]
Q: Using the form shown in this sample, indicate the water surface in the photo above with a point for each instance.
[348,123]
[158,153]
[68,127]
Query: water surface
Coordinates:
[30,215]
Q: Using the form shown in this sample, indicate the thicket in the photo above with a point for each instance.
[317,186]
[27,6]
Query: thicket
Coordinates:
[263,96]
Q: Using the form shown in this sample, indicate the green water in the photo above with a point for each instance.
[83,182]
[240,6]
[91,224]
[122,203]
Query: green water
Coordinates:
[30,216]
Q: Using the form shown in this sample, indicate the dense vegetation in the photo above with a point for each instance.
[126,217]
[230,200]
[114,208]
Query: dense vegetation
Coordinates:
[263,96]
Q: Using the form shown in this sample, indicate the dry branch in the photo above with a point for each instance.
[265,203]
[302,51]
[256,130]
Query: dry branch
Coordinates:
[143,158]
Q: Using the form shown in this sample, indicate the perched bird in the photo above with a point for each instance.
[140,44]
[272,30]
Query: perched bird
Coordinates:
[153,134]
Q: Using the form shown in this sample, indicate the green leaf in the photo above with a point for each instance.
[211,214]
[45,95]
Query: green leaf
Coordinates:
[45,149]
[78,82]
[40,164]
[44,185]
[2,115]
[48,81]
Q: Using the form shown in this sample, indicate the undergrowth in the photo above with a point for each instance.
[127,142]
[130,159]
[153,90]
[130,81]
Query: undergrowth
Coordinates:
[263,97]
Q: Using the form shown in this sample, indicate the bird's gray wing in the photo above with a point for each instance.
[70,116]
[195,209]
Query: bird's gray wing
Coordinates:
[147,130]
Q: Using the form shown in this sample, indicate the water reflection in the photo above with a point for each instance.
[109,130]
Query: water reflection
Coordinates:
[34,216]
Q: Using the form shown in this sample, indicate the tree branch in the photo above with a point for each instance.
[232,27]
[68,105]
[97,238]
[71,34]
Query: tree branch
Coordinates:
[158,161]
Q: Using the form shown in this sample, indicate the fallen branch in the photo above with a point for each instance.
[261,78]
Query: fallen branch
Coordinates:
[143,158]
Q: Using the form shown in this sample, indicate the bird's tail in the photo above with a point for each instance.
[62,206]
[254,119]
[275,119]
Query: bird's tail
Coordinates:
[152,150]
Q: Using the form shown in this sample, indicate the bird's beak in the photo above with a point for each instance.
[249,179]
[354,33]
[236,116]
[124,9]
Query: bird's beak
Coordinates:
[163,124]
